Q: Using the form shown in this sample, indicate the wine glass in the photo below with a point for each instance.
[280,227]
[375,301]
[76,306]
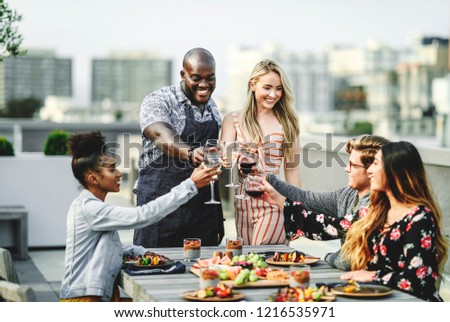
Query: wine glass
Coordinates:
[247,160]
[250,186]
[232,150]
[212,159]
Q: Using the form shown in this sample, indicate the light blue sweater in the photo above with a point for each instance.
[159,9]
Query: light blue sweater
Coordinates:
[94,251]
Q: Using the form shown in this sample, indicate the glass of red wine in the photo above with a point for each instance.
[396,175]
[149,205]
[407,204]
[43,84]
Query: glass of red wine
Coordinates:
[247,160]
[251,187]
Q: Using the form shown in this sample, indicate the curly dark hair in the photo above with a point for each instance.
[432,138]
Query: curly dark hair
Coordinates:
[86,150]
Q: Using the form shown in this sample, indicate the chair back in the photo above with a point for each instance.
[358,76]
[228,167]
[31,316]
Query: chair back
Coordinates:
[12,292]
[7,269]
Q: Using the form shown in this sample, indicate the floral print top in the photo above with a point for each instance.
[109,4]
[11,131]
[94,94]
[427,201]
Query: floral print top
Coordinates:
[317,226]
[404,256]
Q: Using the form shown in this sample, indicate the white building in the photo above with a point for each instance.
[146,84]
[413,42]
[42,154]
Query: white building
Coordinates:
[426,59]
[121,81]
[38,74]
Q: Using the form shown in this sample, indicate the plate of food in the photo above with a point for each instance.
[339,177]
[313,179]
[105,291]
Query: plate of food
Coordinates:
[220,293]
[354,289]
[303,294]
[148,260]
[238,277]
[292,258]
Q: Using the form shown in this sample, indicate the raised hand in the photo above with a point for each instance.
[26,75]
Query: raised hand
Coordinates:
[197,156]
[202,176]
[270,194]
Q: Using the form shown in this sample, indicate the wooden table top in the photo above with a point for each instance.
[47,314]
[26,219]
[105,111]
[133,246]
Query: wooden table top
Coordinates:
[170,287]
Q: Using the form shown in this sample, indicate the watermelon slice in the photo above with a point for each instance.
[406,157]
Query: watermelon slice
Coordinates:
[207,262]
[225,260]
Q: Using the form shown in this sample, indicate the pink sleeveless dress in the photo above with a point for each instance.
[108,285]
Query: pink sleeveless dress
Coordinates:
[258,222]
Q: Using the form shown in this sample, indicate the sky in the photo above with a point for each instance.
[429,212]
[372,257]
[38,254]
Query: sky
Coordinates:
[86,29]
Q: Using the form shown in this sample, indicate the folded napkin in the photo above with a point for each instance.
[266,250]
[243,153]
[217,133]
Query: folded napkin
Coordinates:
[176,268]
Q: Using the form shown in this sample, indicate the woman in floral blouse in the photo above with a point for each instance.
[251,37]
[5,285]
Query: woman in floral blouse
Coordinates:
[400,242]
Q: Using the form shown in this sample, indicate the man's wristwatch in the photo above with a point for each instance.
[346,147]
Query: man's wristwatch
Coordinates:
[189,156]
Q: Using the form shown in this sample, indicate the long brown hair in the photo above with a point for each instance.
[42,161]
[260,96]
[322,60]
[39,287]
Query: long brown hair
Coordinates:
[407,181]
[283,109]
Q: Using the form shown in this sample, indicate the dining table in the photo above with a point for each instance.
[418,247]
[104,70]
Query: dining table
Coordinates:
[171,287]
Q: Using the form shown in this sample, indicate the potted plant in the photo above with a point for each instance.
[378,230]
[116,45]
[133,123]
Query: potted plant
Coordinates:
[56,143]
[6,147]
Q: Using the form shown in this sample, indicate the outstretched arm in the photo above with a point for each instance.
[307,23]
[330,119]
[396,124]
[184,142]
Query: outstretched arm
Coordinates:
[299,221]
[163,135]
[322,202]
[103,217]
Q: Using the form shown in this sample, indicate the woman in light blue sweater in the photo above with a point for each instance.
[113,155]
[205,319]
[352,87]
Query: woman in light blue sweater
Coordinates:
[94,252]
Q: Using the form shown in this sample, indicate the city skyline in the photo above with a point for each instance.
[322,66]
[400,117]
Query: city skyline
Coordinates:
[85,30]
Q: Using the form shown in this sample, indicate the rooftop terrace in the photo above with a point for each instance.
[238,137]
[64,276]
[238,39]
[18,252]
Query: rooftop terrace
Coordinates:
[322,169]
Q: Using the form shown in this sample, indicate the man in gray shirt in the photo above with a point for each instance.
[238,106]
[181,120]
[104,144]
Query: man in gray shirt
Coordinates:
[351,200]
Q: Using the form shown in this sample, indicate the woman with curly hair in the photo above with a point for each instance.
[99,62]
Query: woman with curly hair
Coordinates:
[400,242]
[94,252]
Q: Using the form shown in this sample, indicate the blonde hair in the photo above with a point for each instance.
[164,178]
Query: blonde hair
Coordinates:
[407,181]
[283,109]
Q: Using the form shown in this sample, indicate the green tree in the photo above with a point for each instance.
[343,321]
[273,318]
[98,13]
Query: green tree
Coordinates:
[10,38]
[21,108]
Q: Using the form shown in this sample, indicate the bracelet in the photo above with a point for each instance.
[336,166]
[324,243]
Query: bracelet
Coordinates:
[189,156]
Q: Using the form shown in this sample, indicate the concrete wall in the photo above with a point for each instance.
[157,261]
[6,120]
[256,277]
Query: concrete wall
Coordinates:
[46,187]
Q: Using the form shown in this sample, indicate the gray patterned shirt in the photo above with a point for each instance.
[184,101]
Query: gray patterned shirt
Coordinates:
[168,105]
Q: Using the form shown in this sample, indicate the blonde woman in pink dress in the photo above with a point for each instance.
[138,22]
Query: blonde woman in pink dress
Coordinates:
[268,122]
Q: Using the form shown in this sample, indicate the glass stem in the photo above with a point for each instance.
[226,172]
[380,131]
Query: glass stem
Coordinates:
[211,183]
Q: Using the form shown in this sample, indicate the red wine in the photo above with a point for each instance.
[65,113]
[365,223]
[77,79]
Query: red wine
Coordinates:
[254,194]
[246,168]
